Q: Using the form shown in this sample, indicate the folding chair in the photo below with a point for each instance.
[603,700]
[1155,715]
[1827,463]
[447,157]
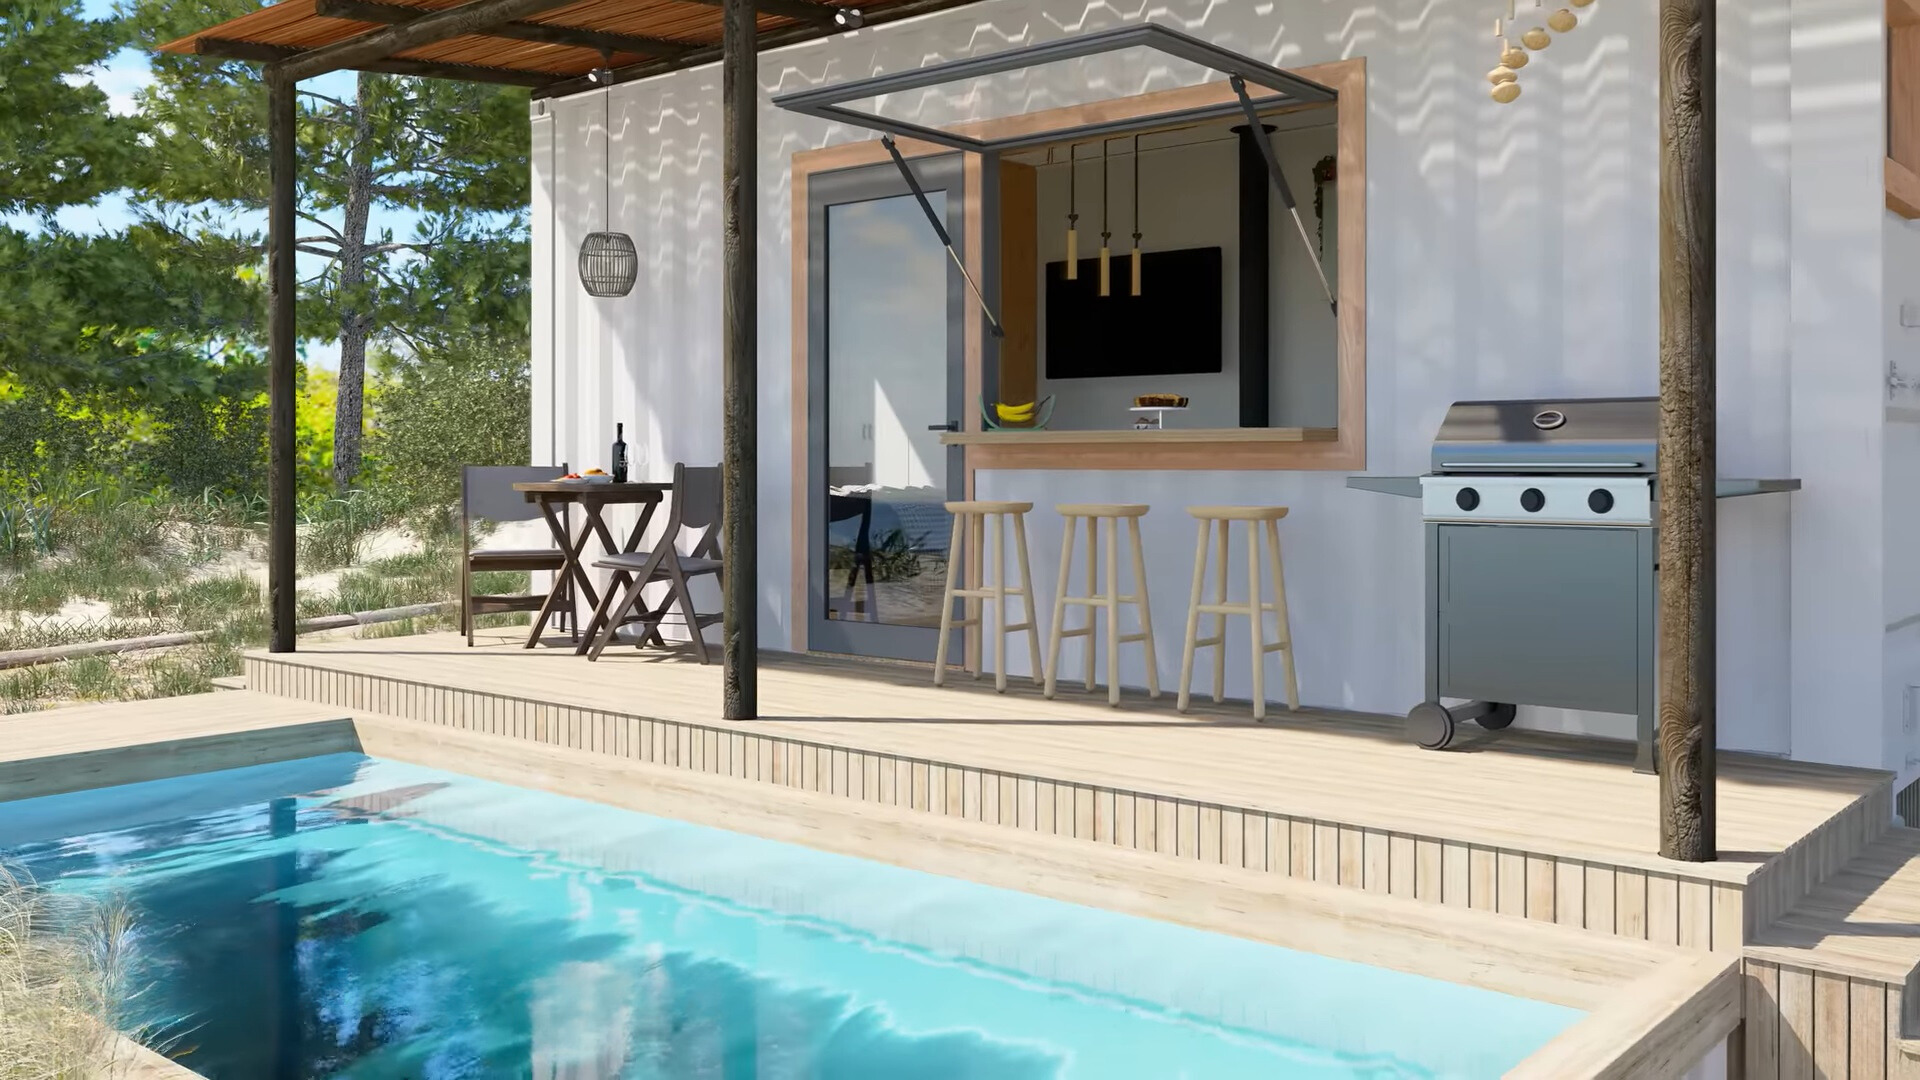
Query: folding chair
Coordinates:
[486,494]
[696,513]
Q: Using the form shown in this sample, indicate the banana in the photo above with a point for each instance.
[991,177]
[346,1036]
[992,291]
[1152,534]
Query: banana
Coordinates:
[1014,412]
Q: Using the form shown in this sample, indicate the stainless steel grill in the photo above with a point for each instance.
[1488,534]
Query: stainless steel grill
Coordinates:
[1539,519]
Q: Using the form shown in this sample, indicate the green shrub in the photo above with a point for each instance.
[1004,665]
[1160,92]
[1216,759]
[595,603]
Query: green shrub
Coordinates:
[209,445]
[468,403]
[332,528]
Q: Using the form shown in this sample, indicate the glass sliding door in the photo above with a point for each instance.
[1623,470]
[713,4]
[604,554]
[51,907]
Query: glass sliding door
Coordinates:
[885,367]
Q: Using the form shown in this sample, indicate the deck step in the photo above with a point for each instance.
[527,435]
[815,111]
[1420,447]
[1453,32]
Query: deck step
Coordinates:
[1366,843]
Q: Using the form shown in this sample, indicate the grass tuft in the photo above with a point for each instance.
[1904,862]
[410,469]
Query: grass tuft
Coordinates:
[63,982]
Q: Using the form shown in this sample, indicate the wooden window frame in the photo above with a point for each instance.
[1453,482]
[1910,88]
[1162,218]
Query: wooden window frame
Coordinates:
[1341,448]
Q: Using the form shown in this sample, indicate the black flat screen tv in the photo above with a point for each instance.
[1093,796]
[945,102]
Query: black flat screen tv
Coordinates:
[1171,328]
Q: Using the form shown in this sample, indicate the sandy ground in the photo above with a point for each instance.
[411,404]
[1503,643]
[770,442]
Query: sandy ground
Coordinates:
[248,561]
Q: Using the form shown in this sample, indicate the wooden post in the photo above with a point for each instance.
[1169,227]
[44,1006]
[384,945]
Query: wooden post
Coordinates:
[740,314]
[1687,466]
[281,284]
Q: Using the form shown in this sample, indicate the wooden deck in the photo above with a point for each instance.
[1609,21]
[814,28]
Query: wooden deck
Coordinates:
[88,746]
[1549,828]
[1834,984]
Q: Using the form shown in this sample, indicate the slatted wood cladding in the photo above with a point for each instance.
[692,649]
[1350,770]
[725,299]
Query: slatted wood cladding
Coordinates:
[1555,836]
[298,25]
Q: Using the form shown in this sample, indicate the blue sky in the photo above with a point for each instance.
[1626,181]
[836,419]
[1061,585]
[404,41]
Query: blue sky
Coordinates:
[121,78]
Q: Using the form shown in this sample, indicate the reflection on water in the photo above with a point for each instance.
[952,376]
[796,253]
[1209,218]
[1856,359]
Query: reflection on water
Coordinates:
[398,922]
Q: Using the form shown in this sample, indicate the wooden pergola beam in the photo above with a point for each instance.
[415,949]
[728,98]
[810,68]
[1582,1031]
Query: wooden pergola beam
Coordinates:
[818,14]
[225,49]
[371,11]
[1687,642]
[770,39]
[360,51]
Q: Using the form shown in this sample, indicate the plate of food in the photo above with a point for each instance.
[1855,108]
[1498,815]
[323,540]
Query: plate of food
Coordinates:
[1159,401]
[590,476]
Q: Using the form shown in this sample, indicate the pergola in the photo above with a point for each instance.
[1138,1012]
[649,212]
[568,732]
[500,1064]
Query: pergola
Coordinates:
[566,46]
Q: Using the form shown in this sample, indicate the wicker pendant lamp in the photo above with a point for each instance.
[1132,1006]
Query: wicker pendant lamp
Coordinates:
[609,264]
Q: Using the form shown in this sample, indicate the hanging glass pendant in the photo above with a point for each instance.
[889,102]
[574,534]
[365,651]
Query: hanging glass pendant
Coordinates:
[609,264]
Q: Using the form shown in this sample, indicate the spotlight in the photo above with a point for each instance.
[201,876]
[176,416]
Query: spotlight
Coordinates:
[849,19]
[600,76]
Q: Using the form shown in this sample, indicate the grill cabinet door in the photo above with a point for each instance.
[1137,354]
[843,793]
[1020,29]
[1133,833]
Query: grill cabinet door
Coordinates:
[1538,615]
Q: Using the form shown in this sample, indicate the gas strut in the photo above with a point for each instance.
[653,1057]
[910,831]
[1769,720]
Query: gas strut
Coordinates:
[1259,134]
[940,230]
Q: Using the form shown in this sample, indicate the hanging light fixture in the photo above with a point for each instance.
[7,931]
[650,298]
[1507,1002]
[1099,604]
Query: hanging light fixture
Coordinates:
[1073,214]
[609,264]
[1136,215]
[1106,235]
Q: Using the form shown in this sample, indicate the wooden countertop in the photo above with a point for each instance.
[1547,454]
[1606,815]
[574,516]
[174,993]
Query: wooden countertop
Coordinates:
[1134,436]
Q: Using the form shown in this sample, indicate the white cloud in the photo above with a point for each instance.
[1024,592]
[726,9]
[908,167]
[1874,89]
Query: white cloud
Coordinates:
[124,74]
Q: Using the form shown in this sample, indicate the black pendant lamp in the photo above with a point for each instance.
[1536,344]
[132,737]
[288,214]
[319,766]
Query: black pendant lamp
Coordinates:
[1106,234]
[609,264]
[1136,215]
[1073,215]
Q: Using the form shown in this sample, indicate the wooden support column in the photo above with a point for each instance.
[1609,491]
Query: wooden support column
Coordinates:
[281,283]
[740,315]
[1687,460]
[1256,268]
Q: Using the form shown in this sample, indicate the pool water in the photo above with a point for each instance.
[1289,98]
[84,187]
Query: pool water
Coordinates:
[342,916]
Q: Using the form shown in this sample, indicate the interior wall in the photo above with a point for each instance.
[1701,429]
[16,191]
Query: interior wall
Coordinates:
[1305,382]
[1189,198]
[1512,253]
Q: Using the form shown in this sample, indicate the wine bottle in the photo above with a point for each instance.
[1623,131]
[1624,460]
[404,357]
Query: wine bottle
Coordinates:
[619,462]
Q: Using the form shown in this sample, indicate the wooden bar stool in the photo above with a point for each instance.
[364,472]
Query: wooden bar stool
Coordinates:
[1219,520]
[971,523]
[1103,518]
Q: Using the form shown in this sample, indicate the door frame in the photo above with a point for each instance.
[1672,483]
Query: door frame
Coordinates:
[807,506]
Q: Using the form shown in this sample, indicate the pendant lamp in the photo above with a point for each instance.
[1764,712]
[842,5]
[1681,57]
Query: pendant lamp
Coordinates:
[609,264]
[1073,215]
[1136,215]
[1106,235]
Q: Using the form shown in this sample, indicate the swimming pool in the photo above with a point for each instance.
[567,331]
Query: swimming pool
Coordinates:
[353,917]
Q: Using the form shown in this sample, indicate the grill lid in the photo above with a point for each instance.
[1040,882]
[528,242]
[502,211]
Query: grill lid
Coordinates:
[1578,435]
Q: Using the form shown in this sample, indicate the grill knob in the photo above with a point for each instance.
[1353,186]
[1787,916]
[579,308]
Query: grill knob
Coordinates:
[1600,500]
[1533,500]
[1466,498]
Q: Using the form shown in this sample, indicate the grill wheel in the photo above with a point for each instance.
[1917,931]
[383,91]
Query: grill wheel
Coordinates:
[1433,726]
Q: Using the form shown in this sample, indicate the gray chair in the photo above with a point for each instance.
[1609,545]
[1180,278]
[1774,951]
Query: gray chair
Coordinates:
[695,515]
[486,494]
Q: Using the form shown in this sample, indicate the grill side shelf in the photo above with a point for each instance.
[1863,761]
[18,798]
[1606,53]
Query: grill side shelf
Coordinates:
[1407,487]
[1733,489]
